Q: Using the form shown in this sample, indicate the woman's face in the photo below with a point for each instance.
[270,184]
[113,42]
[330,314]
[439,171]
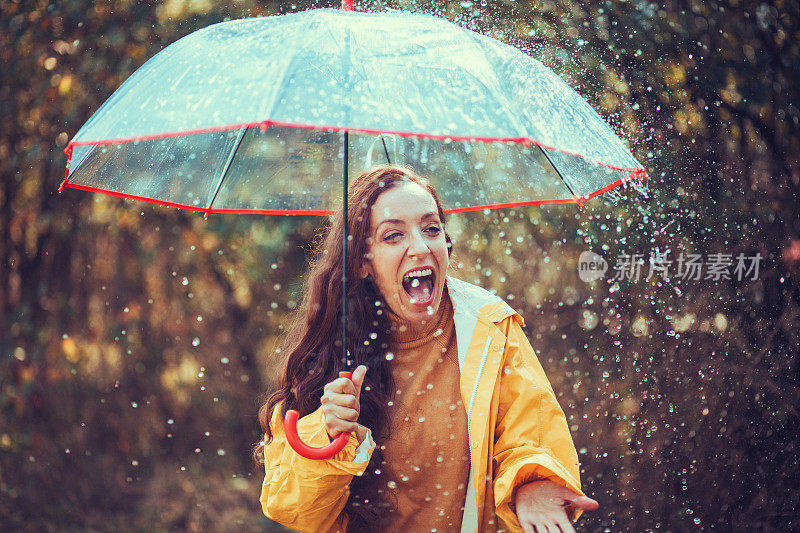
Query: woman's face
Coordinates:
[407,251]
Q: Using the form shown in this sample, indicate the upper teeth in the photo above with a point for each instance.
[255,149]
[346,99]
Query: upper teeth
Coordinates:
[419,273]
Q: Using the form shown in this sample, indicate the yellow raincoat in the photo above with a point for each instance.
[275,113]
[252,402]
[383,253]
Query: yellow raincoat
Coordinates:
[517,431]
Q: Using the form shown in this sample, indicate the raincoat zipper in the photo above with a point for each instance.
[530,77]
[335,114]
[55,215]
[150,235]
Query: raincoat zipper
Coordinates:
[469,414]
[477,380]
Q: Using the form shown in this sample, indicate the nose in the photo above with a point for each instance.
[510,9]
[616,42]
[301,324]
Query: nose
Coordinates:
[417,247]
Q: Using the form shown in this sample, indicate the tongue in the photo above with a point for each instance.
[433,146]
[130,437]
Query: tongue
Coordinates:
[419,288]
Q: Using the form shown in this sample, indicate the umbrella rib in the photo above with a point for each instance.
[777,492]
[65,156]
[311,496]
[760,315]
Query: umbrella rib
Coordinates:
[227,167]
[386,150]
[544,153]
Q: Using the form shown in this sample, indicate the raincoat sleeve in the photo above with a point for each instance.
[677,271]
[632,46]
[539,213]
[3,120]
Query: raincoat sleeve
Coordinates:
[532,438]
[310,494]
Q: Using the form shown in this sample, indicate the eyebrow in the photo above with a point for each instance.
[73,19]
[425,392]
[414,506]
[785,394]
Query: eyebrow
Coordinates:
[430,214]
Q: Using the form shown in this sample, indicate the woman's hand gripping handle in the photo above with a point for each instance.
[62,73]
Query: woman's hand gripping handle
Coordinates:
[341,407]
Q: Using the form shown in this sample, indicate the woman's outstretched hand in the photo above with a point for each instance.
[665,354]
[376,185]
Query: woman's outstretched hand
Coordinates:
[341,405]
[542,507]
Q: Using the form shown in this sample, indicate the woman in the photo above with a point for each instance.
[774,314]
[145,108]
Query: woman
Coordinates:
[469,433]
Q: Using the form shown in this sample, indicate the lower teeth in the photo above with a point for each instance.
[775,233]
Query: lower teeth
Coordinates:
[427,294]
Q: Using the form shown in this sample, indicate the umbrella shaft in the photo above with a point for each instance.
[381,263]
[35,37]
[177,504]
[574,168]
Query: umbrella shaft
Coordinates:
[344,252]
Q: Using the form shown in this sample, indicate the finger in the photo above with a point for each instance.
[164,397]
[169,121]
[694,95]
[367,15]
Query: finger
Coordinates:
[342,413]
[541,527]
[358,378]
[334,432]
[586,503]
[335,425]
[565,526]
[344,400]
[582,502]
[341,386]
[361,432]
[527,527]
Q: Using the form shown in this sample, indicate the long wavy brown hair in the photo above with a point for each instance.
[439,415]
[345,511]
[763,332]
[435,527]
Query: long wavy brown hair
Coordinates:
[314,339]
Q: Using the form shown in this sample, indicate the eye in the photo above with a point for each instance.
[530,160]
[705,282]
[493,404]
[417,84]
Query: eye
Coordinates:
[434,230]
[391,236]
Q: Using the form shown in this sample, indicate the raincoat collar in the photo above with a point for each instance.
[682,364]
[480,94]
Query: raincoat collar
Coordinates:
[469,299]
[473,304]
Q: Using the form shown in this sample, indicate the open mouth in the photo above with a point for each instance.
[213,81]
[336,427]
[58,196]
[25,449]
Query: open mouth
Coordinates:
[419,284]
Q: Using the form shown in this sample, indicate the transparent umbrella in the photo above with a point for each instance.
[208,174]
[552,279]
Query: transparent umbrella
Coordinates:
[267,115]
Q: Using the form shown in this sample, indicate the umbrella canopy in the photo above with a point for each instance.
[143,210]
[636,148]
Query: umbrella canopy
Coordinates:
[263,115]
[257,115]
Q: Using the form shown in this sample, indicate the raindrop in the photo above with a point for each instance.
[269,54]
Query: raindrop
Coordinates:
[184,281]
[196,341]
[389,356]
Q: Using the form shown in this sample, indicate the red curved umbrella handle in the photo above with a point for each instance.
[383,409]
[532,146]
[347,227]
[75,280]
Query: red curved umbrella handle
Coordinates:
[310,452]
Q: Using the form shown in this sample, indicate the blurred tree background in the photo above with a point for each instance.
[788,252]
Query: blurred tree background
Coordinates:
[135,340]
